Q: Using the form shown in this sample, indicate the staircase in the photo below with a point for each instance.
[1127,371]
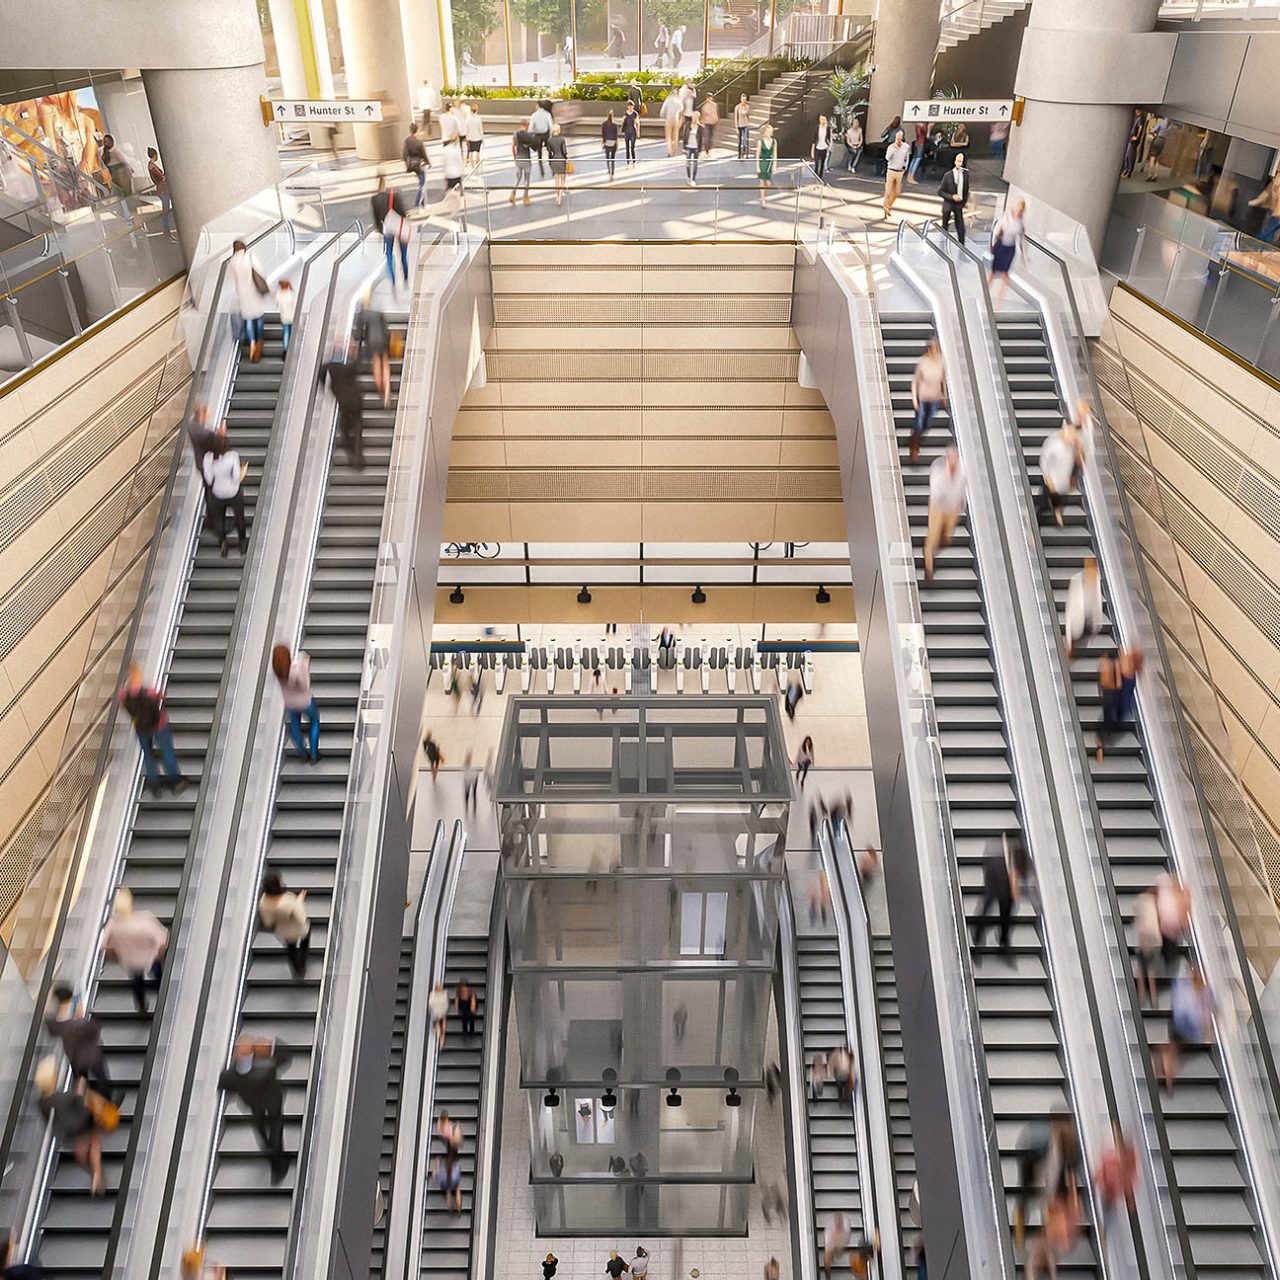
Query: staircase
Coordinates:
[965,20]
[767,107]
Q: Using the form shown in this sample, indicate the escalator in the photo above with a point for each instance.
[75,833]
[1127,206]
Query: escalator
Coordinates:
[249,1220]
[1023,1058]
[75,1229]
[395,1080]
[445,1252]
[1208,1165]
[834,1178]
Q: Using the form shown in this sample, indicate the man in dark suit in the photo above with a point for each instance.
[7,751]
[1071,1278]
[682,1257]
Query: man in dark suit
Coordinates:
[955,195]
[254,1078]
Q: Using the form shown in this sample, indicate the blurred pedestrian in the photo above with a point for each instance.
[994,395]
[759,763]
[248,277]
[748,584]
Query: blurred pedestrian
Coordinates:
[254,1078]
[862,1253]
[640,1263]
[1173,907]
[1118,685]
[470,781]
[692,148]
[954,190]
[160,181]
[252,291]
[868,864]
[1147,942]
[820,150]
[818,1074]
[375,343]
[475,136]
[136,941]
[804,761]
[1059,461]
[416,161]
[342,374]
[549,1265]
[522,147]
[710,114]
[71,1120]
[293,671]
[435,757]
[854,141]
[1008,240]
[11,1268]
[1115,1178]
[771,1269]
[438,1008]
[541,123]
[843,1065]
[464,1003]
[558,155]
[1084,614]
[742,122]
[820,899]
[1191,1013]
[287,306]
[947,487]
[1048,1159]
[195,1265]
[145,705]
[834,1239]
[1004,867]
[766,159]
[284,913]
[1059,1232]
[80,1034]
[609,142]
[928,392]
[630,132]
[448,1175]
[429,103]
[224,475]
[389,215]
[794,692]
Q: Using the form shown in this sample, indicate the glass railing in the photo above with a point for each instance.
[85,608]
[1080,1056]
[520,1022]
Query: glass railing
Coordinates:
[980,1182]
[1221,282]
[1087,947]
[67,901]
[793,208]
[1195,10]
[1229,905]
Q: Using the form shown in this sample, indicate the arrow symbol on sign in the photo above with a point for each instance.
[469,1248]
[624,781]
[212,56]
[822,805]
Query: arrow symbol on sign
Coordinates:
[368,111]
[280,110]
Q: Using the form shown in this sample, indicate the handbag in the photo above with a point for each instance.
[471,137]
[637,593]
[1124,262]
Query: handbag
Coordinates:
[105,1113]
[568,167]
[260,282]
[395,345]
[643,109]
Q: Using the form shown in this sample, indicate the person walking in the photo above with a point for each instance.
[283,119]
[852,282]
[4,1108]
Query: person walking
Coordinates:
[1115,1179]
[821,147]
[928,392]
[1155,148]
[692,148]
[287,306]
[1131,145]
[1269,199]
[558,154]
[1192,1007]
[464,1003]
[342,375]
[70,1119]
[375,342]
[892,129]
[438,1008]
[549,1265]
[999,138]
[853,142]
[1147,941]
[772,1270]
[254,1078]
[224,474]
[834,1240]
[609,141]
[710,119]
[631,131]
[688,105]
[251,290]
[804,761]
[80,1034]
[896,157]
[435,757]
[640,1263]
[1118,685]
[947,486]
[1060,462]
[1173,909]
[671,112]
[919,146]
[160,180]
[677,47]
[389,213]
[1004,866]
[615,1267]
[954,191]
[1084,606]
[766,155]
[136,941]
[522,146]
[416,161]
[541,124]
[470,781]
[293,671]
[742,122]
[661,44]
[475,135]
[284,914]
[428,104]
[1008,240]
[145,705]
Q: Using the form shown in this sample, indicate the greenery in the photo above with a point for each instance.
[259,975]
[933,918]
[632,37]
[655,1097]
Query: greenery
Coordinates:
[675,13]
[473,20]
[848,88]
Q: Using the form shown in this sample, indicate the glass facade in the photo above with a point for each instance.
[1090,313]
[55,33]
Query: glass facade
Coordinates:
[642,845]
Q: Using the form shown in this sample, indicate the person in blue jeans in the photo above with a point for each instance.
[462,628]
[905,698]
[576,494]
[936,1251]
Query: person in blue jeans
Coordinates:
[389,213]
[1270,201]
[151,724]
[294,673]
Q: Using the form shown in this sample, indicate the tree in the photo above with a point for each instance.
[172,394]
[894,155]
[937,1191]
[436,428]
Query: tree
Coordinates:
[473,20]
[675,13]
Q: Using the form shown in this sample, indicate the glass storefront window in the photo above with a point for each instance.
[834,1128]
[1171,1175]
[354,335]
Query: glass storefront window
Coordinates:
[479,42]
[607,36]
[541,42]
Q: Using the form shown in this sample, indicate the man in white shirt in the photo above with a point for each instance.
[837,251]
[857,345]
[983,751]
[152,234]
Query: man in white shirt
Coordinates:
[947,489]
[1060,459]
[896,157]
[672,112]
[428,104]
[449,127]
[540,125]
[1083,616]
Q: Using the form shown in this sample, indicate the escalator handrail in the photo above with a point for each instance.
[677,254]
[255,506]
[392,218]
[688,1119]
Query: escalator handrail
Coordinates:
[229,863]
[1152,725]
[169,509]
[1094,833]
[420,1056]
[862,1025]
[796,1098]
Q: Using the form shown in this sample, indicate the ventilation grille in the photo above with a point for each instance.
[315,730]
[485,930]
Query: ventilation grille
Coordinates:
[647,366]
[630,310]
[563,485]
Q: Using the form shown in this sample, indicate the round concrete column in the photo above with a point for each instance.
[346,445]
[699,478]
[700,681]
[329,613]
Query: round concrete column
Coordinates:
[906,43]
[215,148]
[1084,66]
[426,54]
[373,51]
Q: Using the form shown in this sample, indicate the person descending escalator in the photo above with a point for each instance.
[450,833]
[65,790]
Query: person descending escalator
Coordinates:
[1048,1164]
[136,941]
[1004,870]
[342,375]
[80,1034]
[284,914]
[254,1078]
[224,475]
[1115,1178]
[1083,615]
[293,671]
[145,705]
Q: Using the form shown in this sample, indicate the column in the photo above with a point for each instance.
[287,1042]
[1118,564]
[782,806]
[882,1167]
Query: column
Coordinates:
[373,52]
[1085,64]
[215,148]
[427,53]
[302,52]
[906,43]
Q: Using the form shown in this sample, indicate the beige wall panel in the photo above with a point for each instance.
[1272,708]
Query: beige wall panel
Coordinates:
[476,522]
[808,422]
[18,451]
[712,454]
[810,453]
[478,422]
[1236,681]
[758,337]
[810,396]
[48,746]
[1202,494]
[1270,734]
[487,397]
[709,521]
[1271,412]
[478,453]
[1254,648]
[532,280]
[1264,451]
[693,280]
[33,649]
[676,395]
[534,395]
[546,423]
[15,737]
[1261,778]
[811,522]
[616,253]
[673,604]
[1227,422]
[538,339]
[1243,386]
[482,606]
[738,255]
[712,422]
[19,791]
[604,454]
[66,657]
[560,605]
[1256,543]
[575,522]
[1240,736]
[1163,371]
[29,548]
[1195,578]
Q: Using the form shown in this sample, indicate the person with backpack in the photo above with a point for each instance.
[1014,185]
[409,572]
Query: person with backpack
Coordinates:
[145,706]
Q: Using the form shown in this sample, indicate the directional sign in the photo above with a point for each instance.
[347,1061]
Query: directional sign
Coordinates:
[320,111]
[953,110]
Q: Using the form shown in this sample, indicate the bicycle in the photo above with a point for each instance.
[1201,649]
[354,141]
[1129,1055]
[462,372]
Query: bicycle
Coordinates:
[485,550]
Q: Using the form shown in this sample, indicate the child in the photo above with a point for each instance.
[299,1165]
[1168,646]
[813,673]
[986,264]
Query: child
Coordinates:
[287,302]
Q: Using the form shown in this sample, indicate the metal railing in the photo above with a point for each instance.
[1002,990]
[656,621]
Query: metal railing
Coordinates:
[1195,10]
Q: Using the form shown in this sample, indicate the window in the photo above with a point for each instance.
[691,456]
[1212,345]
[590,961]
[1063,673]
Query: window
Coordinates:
[703,918]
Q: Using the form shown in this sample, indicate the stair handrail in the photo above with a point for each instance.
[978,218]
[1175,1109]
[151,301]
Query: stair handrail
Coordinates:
[1002,437]
[175,504]
[91,180]
[862,1027]
[980,1186]
[414,1124]
[1247,1051]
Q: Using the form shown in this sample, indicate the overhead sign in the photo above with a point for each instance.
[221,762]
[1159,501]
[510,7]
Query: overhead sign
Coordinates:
[320,111]
[953,110]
